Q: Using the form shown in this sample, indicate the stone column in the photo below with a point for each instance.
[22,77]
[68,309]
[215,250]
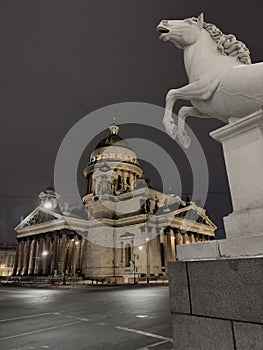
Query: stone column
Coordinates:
[32,257]
[121,252]
[21,257]
[131,177]
[166,249]
[92,187]
[168,244]
[123,180]
[39,262]
[54,248]
[59,245]
[172,242]
[83,256]
[132,248]
[16,258]
[46,258]
[185,238]
[178,238]
[37,257]
[89,183]
[27,256]
[76,257]
[188,237]
[63,253]
[51,253]
[70,254]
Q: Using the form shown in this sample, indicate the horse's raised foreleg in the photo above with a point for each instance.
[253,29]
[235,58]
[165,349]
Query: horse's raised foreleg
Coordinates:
[168,120]
[201,89]
[183,113]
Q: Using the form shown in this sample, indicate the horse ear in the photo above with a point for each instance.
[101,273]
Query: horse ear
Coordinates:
[200,20]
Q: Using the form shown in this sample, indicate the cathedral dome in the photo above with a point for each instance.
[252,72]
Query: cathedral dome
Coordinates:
[115,153]
[113,148]
[113,139]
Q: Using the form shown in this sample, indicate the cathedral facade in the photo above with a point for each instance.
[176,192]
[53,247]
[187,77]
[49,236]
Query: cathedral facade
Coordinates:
[124,228]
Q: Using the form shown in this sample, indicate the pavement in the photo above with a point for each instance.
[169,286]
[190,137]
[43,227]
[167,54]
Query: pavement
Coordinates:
[97,317]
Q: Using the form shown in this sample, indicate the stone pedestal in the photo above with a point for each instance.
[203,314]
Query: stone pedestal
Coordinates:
[216,287]
[242,143]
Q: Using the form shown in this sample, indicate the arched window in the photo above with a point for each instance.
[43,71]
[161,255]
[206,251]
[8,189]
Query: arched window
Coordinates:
[162,254]
[127,254]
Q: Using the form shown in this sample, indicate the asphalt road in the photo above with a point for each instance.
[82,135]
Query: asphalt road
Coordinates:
[119,318]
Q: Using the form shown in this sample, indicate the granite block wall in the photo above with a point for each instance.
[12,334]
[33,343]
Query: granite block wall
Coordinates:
[217,304]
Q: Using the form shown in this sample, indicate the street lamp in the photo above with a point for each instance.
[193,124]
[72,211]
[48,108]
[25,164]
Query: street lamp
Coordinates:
[48,204]
[2,266]
[76,243]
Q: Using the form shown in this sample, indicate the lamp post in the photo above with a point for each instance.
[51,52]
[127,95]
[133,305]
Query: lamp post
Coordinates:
[147,261]
[76,243]
[135,256]
[134,268]
[65,268]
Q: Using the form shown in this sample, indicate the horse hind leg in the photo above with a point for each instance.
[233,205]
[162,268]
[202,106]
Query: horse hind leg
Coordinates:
[184,112]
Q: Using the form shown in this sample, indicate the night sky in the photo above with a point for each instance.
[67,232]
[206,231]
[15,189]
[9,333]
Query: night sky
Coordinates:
[62,59]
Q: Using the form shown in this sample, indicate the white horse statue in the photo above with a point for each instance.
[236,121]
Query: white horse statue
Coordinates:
[223,83]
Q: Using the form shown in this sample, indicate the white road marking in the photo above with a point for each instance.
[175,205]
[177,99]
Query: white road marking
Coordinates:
[159,343]
[79,318]
[39,331]
[147,334]
[24,317]
[82,319]
[148,347]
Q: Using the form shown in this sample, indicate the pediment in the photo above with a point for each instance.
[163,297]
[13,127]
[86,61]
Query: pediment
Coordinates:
[127,235]
[195,213]
[38,216]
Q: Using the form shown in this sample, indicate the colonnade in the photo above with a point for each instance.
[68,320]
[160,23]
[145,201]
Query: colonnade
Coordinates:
[52,253]
[124,180]
[173,237]
[65,251]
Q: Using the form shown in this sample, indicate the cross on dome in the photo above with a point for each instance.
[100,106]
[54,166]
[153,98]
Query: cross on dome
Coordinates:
[114,129]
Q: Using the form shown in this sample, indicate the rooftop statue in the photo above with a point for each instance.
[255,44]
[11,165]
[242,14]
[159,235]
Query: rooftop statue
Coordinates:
[223,83]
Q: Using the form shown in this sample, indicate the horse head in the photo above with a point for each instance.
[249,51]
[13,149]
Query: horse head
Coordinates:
[181,32]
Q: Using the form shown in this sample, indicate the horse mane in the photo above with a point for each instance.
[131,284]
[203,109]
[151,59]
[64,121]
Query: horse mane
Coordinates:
[241,52]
